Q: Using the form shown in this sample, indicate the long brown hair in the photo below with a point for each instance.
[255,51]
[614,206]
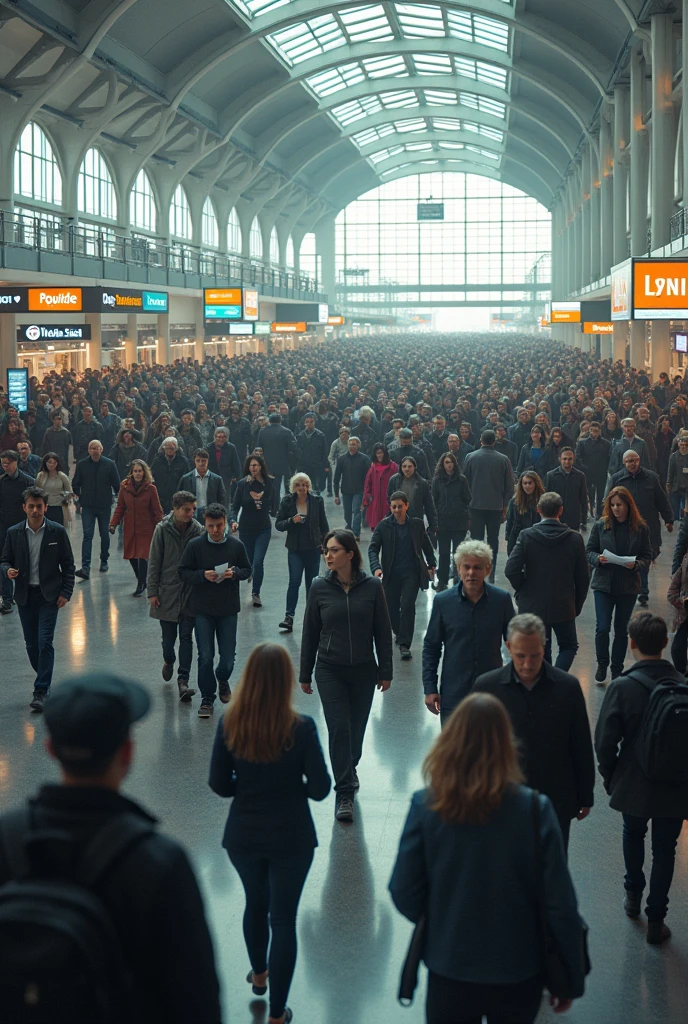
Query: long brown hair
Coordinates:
[259,722]
[472,762]
[524,501]
[635,520]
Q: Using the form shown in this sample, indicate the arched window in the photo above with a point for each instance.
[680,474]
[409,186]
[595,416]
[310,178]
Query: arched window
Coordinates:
[142,209]
[234,232]
[291,262]
[180,215]
[274,247]
[210,233]
[307,257]
[95,191]
[36,171]
[256,241]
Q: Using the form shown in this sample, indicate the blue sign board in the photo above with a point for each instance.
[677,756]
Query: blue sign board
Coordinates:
[155,302]
[223,312]
[18,388]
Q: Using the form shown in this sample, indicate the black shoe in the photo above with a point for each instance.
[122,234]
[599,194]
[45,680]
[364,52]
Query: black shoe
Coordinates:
[224,692]
[185,691]
[642,600]
[657,932]
[440,587]
[5,606]
[357,784]
[257,603]
[104,567]
[616,670]
[287,623]
[140,589]
[601,673]
[632,901]
[83,574]
[38,700]
[344,809]
[167,671]
[205,710]
[258,990]
[405,652]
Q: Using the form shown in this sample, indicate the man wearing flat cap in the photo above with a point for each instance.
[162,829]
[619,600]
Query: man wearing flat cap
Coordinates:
[149,890]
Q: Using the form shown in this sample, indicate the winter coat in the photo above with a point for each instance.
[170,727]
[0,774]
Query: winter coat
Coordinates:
[385,536]
[312,451]
[167,474]
[549,572]
[619,449]
[544,464]
[163,581]
[452,498]
[593,457]
[663,443]
[141,512]
[375,491]
[421,504]
[574,493]
[677,477]
[651,499]
[517,521]
[337,449]
[279,448]
[614,579]
[677,595]
[122,460]
[646,430]
[490,478]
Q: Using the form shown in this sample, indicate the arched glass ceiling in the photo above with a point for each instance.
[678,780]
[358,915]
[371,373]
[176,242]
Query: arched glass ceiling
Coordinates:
[344,76]
[378,23]
[346,113]
[422,124]
[432,147]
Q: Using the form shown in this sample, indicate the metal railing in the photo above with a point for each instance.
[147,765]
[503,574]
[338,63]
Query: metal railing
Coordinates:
[679,224]
[20,230]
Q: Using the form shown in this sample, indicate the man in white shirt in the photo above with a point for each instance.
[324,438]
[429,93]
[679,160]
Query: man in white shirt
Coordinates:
[208,487]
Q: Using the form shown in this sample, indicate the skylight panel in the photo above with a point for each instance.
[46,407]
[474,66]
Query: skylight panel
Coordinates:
[476,28]
[483,103]
[440,97]
[405,98]
[487,153]
[418,147]
[308,39]
[420,21]
[354,110]
[365,24]
[385,67]
[433,63]
[481,71]
[334,79]
[447,124]
[451,145]
[412,124]
[373,134]
[255,7]
[386,154]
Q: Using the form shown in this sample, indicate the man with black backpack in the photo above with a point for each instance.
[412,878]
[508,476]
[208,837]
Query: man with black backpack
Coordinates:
[641,741]
[101,919]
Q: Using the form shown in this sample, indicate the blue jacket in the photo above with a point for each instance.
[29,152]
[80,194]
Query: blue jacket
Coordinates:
[471,635]
[476,886]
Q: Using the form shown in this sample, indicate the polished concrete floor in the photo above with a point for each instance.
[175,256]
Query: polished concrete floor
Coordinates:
[351,939]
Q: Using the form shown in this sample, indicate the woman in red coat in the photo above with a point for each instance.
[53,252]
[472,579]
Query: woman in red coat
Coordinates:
[375,500]
[139,506]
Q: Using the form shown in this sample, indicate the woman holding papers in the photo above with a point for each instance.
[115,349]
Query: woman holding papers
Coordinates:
[619,546]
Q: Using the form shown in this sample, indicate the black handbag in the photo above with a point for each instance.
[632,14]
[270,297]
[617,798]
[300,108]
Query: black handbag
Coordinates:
[556,973]
[409,972]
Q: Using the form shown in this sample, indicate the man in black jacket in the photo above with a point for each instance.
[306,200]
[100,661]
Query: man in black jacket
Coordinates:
[549,572]
[640,800]
[408,562]
[150,892]
[592,453]
[86,430]
[405,446]
[239,433]
[550,720]
[95,482]
[312,453]
[279,449]
[13,483]
[569,483]
[168,467]
[213,565]
[37,556]
[224,460]
[208,487]
[504,446]
[351,471]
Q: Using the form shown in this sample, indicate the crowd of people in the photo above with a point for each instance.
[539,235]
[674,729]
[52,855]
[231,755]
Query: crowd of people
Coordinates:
[430,443]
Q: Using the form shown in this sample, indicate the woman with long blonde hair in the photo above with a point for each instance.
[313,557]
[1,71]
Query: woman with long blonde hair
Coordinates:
[467,865]
[263,752]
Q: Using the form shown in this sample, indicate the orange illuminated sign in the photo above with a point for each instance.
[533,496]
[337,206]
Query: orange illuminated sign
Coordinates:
[296,328]
[222,296]
[336,321]
[250,304]
[566,313]
[660,289]
[622,286]
[598,327]
[55,300]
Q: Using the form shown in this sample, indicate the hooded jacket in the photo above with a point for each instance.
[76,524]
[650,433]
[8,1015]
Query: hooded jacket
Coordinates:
[549,572]
[166,550]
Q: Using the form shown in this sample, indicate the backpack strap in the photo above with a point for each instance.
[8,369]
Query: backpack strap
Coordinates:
[109,844]
[642,677]
[14,827]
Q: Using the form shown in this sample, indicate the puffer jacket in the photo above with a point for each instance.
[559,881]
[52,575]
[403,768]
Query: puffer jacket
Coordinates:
[163,581]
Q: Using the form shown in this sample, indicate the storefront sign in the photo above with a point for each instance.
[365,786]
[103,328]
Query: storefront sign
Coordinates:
[262,327]
[155,302]
[14,300]
[214,313]
[592,327]
[242,328]
[566,313]
[18,388]
[660,289]
[622,287]
[323,312]
[295,328]
[54,332]
[336,321]
[250,304]
[55,300]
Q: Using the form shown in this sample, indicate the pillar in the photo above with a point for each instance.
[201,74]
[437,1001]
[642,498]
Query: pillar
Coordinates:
[595,203]
[578,235]
[199,336]
[8,344]
[606,346]
[163,350]
[660,348]
[132,339]
[621,135]
[619,340]
[662,27]
[638,344]
[684,106]
[586,225]
[639,158]
[606,194]
[325,248]
[95,345]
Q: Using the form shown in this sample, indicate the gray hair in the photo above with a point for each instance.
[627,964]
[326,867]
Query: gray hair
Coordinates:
[170,442]
[526,625]
[627,419]
[299,478]
[474,549]
[222,430]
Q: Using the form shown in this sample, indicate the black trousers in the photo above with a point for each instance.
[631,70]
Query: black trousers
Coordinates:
[596,489]
[487,520]
[448,541]
[401,594]
[346,692]
[140,567]
[461,1002]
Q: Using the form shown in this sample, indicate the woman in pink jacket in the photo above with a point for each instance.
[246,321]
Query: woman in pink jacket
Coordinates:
[375,500]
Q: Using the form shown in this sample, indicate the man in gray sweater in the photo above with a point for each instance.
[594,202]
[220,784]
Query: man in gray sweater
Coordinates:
[491,479]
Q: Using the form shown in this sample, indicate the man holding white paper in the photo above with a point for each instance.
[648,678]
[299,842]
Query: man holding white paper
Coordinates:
[213,565]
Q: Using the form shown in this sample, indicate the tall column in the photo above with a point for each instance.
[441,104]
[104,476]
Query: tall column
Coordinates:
[619,340]
[132,339]
[621,136]
[586,186]
[607,346]
[660,348]
[607,193]
[595,224]
[662,27]
[163,350]
[8,344]
[639,158]
[325,247]
[638,344]
[95,345]
[577,232]
[199,336]
[684,107]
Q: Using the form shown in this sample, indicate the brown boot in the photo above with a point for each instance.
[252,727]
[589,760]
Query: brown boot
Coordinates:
[185,693]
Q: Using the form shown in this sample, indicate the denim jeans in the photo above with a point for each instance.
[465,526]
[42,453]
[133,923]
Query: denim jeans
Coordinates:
[677,500]
[621,607]
[567,640]
[38,618]
[447,541]
[185,629]
[273,888]
[208,627]
[487,520]
[89,517]
[256,545]
[304,563]
[665,833]
[352,512]
[346,693]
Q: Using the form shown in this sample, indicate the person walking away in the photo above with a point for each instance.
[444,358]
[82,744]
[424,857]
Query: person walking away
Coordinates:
[312,450]
[641,758]
[408,563]
[346,628]
[95,482]
[13,483]
[37,557]
[350,473]
[569,482]
[592,455]
[89,721]
[301,516]
[51,479]
[250,515]
[479,819]
[168,597]
[279,450]
[213,566]
[262,754]
[467,626]
[138,507]
[548,715]
[522,511]
[451,497]
[375,489]
[549,572]
[491,480]
[677,478]
[620,531]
